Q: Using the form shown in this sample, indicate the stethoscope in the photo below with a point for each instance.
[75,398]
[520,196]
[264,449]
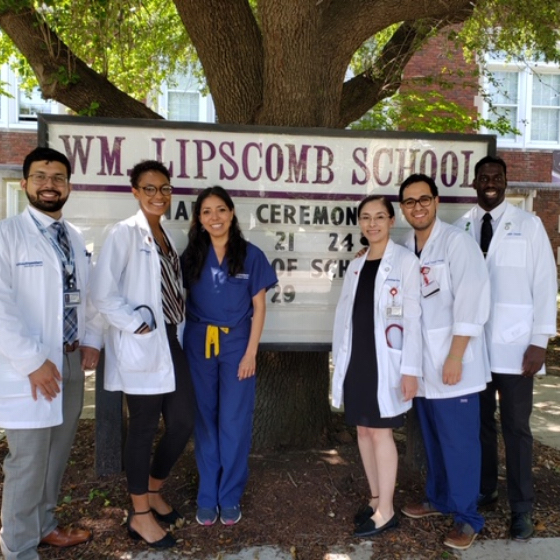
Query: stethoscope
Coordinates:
[393,291]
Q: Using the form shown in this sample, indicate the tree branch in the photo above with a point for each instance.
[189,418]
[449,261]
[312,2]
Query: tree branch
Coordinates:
[349,23]
[63,76]
[384,77]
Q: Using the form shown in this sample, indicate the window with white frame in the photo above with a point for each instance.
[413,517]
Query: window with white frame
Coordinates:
[183,99]
[527,95]
[30,103]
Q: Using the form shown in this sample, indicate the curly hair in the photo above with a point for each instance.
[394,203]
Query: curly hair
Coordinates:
[147,165]
[194,256]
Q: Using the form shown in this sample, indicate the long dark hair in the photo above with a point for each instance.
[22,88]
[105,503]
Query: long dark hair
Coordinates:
[195,254]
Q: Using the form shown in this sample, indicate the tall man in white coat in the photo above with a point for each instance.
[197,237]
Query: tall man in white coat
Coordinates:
[48,335]
[523,317]
[455,305]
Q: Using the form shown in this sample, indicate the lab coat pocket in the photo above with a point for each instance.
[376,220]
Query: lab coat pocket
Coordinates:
[13,384]
[439,341]
[512,324]
[394,367]
[139,353]
[513,252]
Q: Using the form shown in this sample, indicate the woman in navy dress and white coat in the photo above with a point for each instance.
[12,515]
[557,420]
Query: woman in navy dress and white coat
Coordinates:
[377,354]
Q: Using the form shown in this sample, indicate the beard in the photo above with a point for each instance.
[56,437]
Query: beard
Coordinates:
[46,205]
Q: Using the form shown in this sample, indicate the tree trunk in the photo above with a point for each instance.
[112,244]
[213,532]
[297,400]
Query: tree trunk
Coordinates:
[292,405]
[415,457]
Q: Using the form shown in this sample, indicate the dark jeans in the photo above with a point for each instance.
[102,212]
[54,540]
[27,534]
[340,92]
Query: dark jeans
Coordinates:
[516,404]
[178,411]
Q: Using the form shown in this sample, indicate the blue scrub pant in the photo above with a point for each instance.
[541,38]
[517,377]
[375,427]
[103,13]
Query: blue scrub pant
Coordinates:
[451,428]
[224,414]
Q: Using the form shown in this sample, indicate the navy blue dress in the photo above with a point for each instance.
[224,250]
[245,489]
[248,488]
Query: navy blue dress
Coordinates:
[361,407]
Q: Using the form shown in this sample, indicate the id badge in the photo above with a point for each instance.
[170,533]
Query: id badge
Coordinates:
[394,311]
[430,289]
[72,298]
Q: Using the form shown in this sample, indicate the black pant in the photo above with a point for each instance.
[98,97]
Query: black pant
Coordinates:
[177,409]
[516,404]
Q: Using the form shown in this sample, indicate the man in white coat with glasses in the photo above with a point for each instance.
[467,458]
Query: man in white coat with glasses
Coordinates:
[48,335]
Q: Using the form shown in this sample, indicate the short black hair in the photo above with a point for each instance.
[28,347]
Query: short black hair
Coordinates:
[490,159]
[418,178]
[145,166]
[45,154]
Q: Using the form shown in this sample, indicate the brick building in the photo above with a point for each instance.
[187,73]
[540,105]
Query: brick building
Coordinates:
[529,96]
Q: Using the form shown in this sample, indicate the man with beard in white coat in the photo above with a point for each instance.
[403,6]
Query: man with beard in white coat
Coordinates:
[455,305]
[523,279]
[44,321]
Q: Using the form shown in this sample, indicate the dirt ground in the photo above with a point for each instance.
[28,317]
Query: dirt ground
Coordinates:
[303,501]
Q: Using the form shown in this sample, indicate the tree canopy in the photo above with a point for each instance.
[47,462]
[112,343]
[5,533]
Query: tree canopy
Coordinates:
[274,62]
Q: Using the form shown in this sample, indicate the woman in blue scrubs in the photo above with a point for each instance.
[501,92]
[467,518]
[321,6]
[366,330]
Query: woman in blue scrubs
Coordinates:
[226,279]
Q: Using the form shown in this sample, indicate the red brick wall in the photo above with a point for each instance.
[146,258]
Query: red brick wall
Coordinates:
[547,207]
[14,146]
[533,166]
[441,60]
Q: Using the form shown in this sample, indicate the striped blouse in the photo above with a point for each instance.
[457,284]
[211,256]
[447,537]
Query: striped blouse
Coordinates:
[171,285]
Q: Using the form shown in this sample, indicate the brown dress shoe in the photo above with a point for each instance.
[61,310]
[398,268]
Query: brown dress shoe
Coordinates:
[461,537]
[417,511]
[66,536]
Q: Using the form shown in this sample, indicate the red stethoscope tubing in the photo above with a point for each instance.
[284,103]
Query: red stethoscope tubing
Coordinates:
[388,330]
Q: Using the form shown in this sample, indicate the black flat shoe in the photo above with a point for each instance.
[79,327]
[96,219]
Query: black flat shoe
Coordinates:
[168,518]
[368,529]
[165,542]
[362,515]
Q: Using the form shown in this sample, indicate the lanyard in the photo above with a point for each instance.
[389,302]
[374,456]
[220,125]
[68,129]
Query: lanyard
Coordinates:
[68,265]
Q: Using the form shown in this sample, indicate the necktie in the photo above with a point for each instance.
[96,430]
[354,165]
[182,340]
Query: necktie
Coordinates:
[70,313]
[486,233]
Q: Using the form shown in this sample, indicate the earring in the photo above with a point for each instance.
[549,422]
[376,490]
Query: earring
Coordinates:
[202,228]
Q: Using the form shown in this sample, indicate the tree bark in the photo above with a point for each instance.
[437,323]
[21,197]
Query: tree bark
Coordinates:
[292,405]
[289,67]
[415,456]
[229,46]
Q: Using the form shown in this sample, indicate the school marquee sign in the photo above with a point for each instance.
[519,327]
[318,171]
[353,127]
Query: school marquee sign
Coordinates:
[295,191]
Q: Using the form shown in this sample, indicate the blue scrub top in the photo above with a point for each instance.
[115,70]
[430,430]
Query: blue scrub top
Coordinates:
[223,300]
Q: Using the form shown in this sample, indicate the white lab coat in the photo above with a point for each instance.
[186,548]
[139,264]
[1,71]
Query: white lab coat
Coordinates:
[523,284]
[460,307]
[398,269]
[128,274]
[32,317]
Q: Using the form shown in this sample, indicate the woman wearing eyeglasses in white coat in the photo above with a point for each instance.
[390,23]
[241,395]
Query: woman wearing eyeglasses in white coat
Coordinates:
[138,288]
[377,352]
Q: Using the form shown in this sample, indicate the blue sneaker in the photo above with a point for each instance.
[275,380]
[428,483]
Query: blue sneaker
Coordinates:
[230,515]
[206,516]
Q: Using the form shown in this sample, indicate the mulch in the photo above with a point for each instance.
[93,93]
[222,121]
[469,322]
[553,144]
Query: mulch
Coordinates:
[301,501]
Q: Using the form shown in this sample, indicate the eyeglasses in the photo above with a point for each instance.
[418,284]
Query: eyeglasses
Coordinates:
[424,202]
[40,179]
[379,219]
[150,190]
